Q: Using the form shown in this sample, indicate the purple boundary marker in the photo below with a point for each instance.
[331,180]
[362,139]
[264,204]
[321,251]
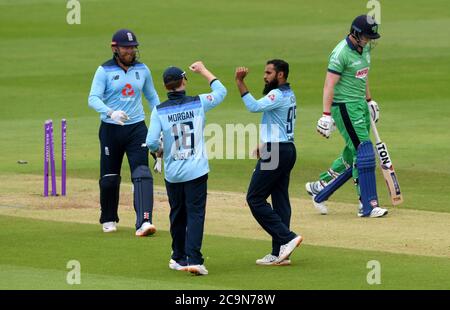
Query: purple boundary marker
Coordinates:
[63,156]
[46,155]
[52,160]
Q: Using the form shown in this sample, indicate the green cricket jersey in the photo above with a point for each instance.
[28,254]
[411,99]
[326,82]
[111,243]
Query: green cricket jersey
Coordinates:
[353,68]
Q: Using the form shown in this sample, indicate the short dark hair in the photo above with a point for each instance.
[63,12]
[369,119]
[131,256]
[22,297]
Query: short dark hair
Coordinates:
[280,66]
[172,85]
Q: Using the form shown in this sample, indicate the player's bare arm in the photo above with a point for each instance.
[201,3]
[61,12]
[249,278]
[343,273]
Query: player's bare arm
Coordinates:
[240,74]
[373,106]
[325,124]
[199,67]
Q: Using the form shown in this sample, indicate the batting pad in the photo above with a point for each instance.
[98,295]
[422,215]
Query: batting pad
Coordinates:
[109,197]
[365,163]
[143,194]
[331,187]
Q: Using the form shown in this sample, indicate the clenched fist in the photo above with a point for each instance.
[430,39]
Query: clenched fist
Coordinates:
[241,73]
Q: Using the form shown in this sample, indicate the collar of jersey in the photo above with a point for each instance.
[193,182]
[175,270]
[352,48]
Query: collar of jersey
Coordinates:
[353,47]
[350,44]
[284,86]
[117,64]
[173,95]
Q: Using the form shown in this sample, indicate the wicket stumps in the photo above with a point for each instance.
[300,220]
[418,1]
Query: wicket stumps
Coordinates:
[63,156]
[46,155]
[49,157]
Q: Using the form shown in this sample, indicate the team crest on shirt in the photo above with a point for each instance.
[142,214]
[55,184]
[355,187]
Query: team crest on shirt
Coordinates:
[362,74]
[271,97]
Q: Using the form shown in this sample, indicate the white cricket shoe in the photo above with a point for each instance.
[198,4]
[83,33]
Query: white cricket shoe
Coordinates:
[175,266]
[146,229]
[376,212]
[271,260]
[109,227]
[314,188]
[288,248]
[198,270]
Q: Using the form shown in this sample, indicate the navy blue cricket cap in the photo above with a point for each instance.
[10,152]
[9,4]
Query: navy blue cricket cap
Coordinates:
[365,25]
[173,74]
[124,37]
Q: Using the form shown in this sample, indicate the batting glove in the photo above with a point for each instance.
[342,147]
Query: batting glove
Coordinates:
[325,125]
[374,110]
[119,117]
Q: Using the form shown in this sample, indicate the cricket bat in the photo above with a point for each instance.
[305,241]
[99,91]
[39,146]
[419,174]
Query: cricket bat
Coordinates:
[387,168]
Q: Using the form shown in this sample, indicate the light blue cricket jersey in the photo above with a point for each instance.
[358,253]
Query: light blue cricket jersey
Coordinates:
[182,120]
[279,113]
[115,89]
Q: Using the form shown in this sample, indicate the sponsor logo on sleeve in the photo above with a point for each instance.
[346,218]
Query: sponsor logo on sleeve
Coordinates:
[271,97]
[210,98]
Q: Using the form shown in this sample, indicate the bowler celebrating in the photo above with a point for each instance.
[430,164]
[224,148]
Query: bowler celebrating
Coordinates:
[276,158]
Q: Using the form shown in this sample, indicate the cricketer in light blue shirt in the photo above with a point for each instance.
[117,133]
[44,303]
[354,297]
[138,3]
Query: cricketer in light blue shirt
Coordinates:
[181,119]
[279,113]
[114,89]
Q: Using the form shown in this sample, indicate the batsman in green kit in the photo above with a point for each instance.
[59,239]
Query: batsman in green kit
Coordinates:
[347,106]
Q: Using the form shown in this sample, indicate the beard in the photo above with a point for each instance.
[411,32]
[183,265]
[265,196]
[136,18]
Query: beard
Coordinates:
[270,86]
[128,60]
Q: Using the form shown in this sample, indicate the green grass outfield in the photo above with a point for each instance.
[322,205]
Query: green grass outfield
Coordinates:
[122,261]
[47,69]
[49,66]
